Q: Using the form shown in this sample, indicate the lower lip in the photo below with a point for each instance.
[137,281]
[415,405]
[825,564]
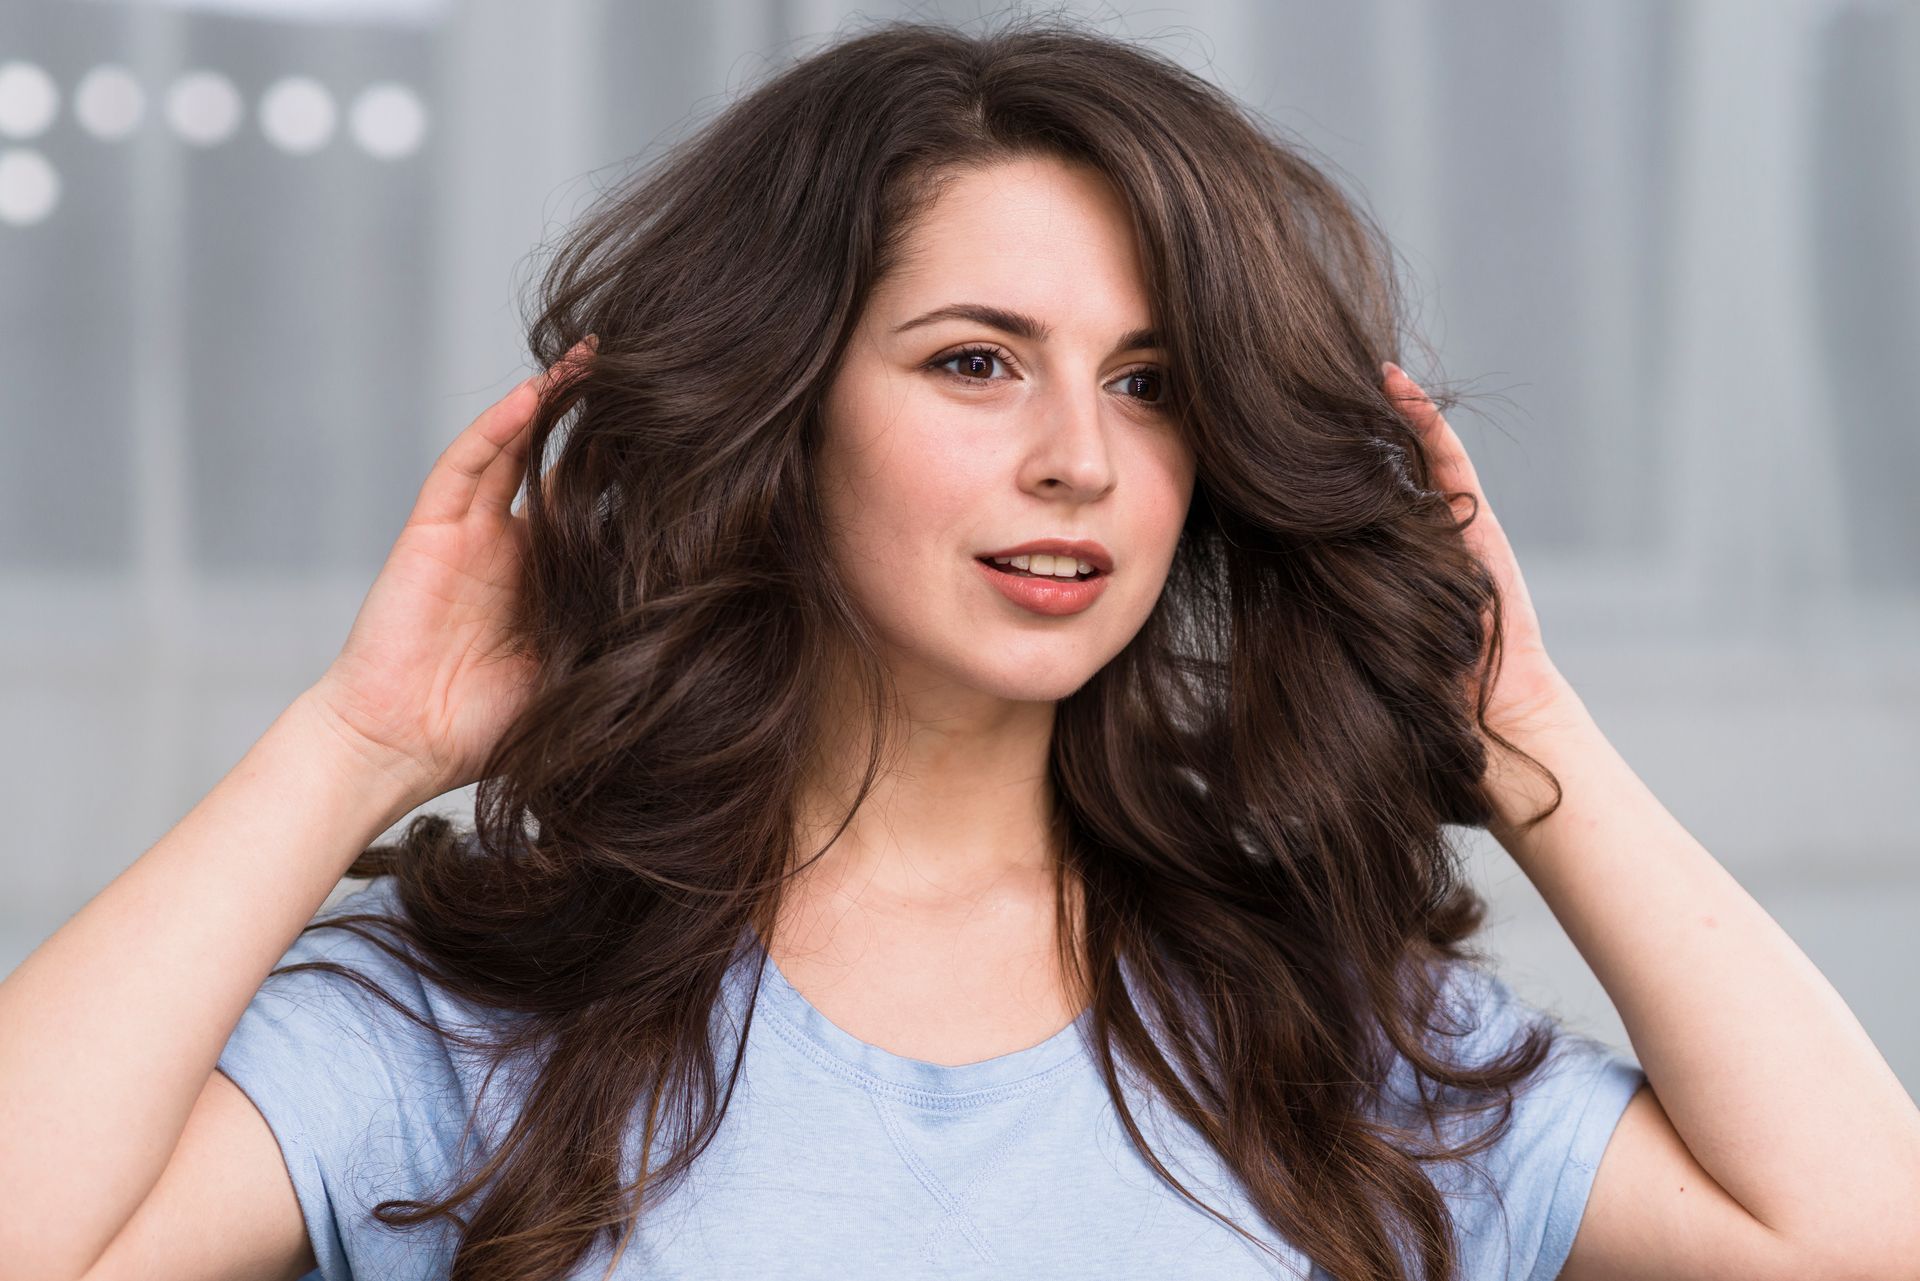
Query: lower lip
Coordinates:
[1046,595]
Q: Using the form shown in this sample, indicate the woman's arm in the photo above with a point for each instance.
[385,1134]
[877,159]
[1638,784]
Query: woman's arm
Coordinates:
[1758,1065]
[109,1030]
[1761,1077]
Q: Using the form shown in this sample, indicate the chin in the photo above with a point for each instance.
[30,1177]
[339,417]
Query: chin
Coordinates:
[1033,685]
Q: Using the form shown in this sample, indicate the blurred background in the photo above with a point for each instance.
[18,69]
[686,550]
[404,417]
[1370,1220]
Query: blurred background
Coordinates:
[260,260]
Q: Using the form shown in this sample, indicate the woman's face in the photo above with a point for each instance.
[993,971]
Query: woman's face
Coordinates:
[932,459]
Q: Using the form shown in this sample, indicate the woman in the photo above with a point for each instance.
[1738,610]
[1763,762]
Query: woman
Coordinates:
[964,728]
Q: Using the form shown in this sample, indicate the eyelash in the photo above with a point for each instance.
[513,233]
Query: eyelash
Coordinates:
[938,362]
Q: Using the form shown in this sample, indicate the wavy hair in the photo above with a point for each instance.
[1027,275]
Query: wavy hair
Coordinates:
[1250,795]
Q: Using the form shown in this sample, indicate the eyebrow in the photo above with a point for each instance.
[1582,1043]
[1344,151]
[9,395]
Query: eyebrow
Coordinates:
[1018,323]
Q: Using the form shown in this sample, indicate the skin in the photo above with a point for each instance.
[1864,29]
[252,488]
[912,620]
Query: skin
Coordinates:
[926,928]
[1773,1142]
[936,897]
[1708,1173]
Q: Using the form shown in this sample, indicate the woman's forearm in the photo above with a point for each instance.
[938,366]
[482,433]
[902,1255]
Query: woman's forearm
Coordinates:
[1764,1072]
[111,1027]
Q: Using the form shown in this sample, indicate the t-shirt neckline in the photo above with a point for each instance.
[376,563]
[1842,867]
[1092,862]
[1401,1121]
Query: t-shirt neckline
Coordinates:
[943,1080]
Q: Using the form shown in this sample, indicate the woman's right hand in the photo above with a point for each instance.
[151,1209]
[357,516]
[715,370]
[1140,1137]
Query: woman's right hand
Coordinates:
[427,680]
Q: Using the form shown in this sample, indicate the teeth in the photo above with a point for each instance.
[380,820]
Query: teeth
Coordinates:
[1041,563]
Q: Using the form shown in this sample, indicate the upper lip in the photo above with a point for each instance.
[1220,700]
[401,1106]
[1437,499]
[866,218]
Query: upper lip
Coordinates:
[1078,548]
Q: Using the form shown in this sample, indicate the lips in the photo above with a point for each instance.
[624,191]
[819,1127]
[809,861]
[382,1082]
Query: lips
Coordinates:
[1016,572]
[1045,594]
[1076,548]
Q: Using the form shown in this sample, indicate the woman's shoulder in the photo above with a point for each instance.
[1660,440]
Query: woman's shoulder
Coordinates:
[367,1097]
[1479,1017]
[1522,1192]
[352,1002]
[355,935]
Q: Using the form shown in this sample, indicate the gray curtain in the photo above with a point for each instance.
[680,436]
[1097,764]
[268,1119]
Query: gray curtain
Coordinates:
[1673,245]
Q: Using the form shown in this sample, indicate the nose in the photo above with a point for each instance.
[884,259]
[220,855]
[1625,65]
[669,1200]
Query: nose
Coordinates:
[1070,450]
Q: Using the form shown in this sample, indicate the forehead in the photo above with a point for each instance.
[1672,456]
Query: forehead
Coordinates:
[1035,234]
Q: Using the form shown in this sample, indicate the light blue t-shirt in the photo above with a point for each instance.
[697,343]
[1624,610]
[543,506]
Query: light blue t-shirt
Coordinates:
[838,1159]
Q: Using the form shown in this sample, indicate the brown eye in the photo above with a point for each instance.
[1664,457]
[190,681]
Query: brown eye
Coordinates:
[1155,379]
[980,362]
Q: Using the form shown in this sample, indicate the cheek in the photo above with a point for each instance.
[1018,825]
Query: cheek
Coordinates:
[899,497]
[1165,470]
[890,474]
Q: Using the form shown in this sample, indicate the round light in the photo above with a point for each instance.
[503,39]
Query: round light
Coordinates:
[109,102]
[28,100]
[29,186]
[388,121]
[297,115]
[203,108]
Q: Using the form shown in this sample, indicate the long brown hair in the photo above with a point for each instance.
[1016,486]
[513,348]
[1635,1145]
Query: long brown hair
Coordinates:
[1250,795]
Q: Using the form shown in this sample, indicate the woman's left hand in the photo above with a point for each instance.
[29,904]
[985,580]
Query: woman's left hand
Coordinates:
[1528,685]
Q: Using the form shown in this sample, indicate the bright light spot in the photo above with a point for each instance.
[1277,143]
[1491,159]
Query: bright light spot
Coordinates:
[29,186]
[297,115]
[28,99]
[109,102]
[203,108]
[388,121]
[393,13]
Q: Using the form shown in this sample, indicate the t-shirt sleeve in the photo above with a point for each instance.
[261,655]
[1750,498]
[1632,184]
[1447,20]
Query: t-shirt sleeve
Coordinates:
[365,1104]
[1517,1217]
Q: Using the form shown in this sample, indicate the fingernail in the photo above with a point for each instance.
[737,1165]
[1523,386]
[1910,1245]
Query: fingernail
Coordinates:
[1389,369]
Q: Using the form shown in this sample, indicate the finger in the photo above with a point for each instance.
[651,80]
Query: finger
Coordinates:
[1413,402]
[501,480]
[578,357]
[1453,473]
[505,475]
[496,437]
[1453,469]
[448,491]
